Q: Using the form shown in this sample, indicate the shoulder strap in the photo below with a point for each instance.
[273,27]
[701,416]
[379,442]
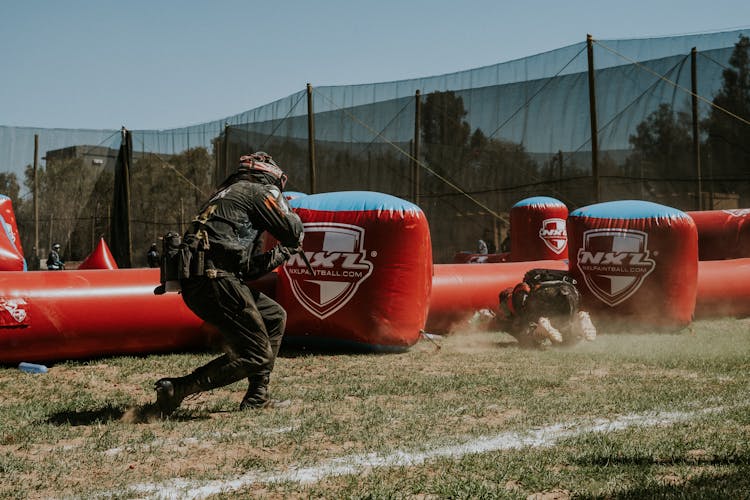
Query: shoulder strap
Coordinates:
[536,277]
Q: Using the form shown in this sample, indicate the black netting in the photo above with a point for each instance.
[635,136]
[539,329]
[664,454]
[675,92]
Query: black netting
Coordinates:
[488,137]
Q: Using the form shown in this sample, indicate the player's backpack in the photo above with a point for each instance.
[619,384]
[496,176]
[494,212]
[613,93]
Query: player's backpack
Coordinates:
[550,293]
[174,264]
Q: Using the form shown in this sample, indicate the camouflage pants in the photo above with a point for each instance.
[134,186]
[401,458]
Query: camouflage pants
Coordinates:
[251,323]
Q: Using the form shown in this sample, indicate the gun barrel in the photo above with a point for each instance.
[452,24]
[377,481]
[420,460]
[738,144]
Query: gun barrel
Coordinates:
[307,262]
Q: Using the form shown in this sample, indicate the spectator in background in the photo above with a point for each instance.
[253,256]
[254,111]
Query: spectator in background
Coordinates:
[482,247]
[153,257]
[489,238]
[54,262]
[505,245]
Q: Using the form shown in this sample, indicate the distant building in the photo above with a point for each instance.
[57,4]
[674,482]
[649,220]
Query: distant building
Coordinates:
[93,155]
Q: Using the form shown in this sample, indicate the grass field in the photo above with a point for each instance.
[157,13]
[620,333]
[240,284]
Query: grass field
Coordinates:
[626,416]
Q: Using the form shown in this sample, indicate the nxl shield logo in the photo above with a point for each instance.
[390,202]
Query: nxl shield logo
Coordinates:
[16,308]
[554,234]
[614,263]
[737,212]
[338,257]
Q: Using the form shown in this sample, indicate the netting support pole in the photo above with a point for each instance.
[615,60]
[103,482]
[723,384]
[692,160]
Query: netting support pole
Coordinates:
[417,133]
[225,164]
[121,235]
[49,231]
[35,265]
[592,113]
[696,137]
[311,138]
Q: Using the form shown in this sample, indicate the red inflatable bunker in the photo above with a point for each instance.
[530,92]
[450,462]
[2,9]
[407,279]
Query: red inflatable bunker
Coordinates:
[635,262]
[6,212]
[11,253]
[723,288]
[53,315]
[459,290]
[538,230]
[372,259]
[100,258]
[722,234]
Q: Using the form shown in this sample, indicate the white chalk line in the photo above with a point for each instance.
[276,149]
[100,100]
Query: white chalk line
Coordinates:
[353,464]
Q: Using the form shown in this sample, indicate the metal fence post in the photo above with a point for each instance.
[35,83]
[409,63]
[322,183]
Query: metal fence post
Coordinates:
[696,137]
[592,113]
[311,139]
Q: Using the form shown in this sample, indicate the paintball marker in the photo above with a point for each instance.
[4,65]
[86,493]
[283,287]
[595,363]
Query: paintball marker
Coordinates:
[306,261]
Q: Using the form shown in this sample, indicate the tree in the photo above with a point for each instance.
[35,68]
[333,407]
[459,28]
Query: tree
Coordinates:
[662,152]
[166,192]
[487,169]
[66,189]
[445,133]
[728,137]
[9,187]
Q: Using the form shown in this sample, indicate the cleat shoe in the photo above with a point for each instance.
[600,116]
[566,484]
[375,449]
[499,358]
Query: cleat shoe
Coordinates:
[257,394]
[583,327]
[545,330]
[252,403]
[168,398]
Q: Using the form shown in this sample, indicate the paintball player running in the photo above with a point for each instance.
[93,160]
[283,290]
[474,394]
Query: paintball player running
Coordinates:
[222,245]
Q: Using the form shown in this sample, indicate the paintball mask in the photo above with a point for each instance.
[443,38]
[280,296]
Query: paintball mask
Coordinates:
[263,163]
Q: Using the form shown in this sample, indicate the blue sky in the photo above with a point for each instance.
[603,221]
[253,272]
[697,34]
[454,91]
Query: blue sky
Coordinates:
[150,64]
